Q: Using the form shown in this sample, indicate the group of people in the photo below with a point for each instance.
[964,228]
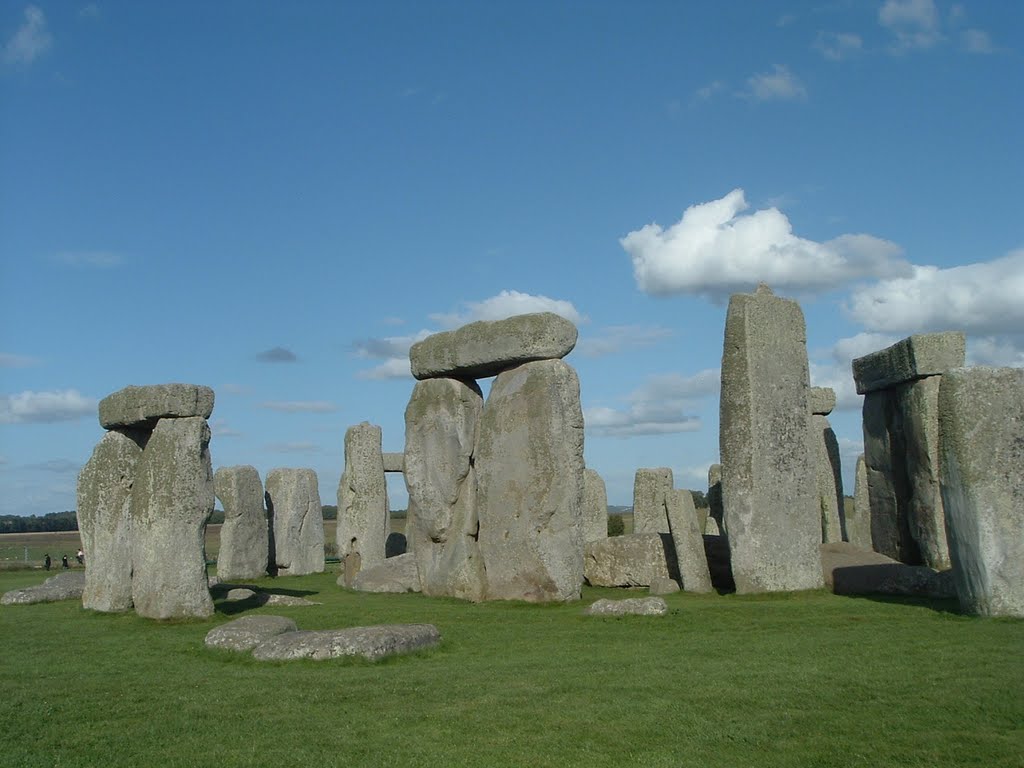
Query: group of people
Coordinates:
[80,557]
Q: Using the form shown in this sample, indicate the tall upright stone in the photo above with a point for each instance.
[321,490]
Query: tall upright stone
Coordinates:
[595,507]
[172,499]
[441,424]
[981,423]
[297,521]
[529,464]
[772,514]
[715,512]
[650,487]
[901,385]
[363,517]
[825,447]
[244,536]
[104,519]
[688,541]
[858,520]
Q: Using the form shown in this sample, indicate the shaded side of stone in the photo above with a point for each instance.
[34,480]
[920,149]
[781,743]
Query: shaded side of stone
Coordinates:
[633,560]
[244,538]
[650,488]
[595,507]
[172,498]
[104,520]
[293,505]
[829,479]
[142,406]
[529,464]
[441,425]
[772,515]
[981,422]
[488,347]
[363,518]
[372,643]
[888,486]
[687,541]
[715,497]
[925,354]
[852,571]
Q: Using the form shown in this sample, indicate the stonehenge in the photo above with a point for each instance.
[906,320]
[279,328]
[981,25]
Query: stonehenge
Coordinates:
[296,515]
[825,446]
[363,519]
[144,498]
[595,507]
[244,536]
[650,487]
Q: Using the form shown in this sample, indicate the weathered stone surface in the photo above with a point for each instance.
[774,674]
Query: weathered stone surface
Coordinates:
[634,560]
[142,406]
[595,507]
[240,593]
[396,574]
[296,518]
[372,643]
[849,570]
[981,420]
[488,347]
[772,515]
[925,354]
[63,586]
[246,633]
[394,462]
[441,425]
[631,606]
[172,498]
[104,519]
[829,479]
[711,527]
[660,586]
[715,497]
[886,480]
[650,487]
[244,536]
[291,601]
[363,518]
[687,541]
[821,400]
[858,519]
[529,466]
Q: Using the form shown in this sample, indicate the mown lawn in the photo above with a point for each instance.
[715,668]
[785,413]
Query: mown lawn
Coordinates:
[787,680]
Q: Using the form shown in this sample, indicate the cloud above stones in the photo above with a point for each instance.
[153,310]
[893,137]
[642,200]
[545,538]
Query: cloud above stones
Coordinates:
[299,406]
[715,250]
[277,355]
[46,407]
[31,40]
[913,24]
[778,84]
[659,407]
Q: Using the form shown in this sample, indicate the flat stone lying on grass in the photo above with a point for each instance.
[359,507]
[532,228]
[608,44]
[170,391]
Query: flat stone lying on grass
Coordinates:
[240,593]
[289,600]
[849,570]
[631,606]
[396,574]
[63,586]
[372,643]
[246,633]
[662,586]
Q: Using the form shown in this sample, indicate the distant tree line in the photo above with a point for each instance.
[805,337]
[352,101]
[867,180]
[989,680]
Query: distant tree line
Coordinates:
[53,521]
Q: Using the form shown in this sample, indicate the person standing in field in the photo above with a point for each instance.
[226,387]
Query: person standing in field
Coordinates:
[46,561]
[64,562]
[80,557]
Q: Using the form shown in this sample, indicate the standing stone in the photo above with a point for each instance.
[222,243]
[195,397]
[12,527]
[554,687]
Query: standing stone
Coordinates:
[688,541]
[715,498]
[887,481]
[529,464]
[441,425]
[595,507]
[772,514]
[104,520]
[650,487]
[631,560]
[981,421]
[244,537]
[829,479]
[858,520]
[296,514]
[172,498]
[363,518]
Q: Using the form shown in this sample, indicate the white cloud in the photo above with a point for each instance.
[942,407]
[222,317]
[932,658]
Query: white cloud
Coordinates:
[657,408]
[980,298]
[1005,351]
[838,46]
[392,368]
[714,251]
[913,23]
[17,361]
[618,337]
[300,406]
[30,41]
[777,85]
[389,346]
[89,259]
[977,41]
[507,304]
[45,407]
[832,367]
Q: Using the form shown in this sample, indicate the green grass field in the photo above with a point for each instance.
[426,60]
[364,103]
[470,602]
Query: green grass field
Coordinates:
[785,680]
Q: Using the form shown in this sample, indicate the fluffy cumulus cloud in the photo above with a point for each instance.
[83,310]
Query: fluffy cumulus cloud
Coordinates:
[616,338]
[777,85]
[982,298]
[914,24]
[659,407]
[832,367]
[30,41]
[507,304]
[1001,351]
[393,351]
[45,407]
[392,368]
[299,406]
[715,251]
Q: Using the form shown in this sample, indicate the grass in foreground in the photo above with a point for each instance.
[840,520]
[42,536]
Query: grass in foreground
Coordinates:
[786,680]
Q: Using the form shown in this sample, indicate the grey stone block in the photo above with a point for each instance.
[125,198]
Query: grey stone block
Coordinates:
[364,520]
[595,507]
[142,406]
[394,462]
[371,643]
[631,606]
[246,633]
[634,560]
[62,586]
[688,542]
[650,488]
[858,520]
[396,574]
[925,354]
[244,536]
[297,522]
[821,400]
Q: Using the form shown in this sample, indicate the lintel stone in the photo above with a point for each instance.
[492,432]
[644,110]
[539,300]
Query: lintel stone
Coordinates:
[143,406]
[917,356]
[821,401]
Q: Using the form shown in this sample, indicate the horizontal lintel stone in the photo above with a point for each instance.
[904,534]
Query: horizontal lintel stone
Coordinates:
[917,356]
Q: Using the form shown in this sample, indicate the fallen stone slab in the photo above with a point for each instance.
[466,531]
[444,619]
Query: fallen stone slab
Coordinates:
[488,347]
[246,633]
[240,593]
[371,643]
[143,406]
[396,574]
[662,586]
[848,570]
[63,586]
[631,606]
[290,601]
[917,356]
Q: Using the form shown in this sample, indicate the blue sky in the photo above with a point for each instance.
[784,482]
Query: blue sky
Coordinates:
[275,199]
